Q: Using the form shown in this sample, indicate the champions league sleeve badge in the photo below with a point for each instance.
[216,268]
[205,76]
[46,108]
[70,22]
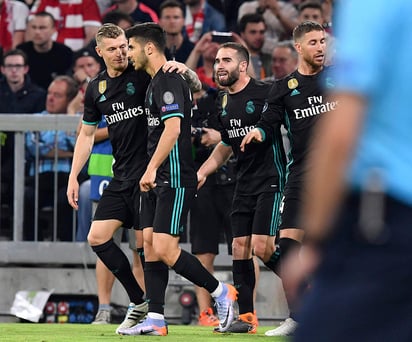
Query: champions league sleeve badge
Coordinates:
[168,97]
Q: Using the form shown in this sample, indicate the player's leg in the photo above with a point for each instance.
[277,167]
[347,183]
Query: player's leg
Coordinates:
[204,237]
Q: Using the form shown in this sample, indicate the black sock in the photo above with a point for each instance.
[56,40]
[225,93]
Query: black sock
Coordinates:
[116,261]
[286,246]
[272,263]
[156,276]
[245,280]
[140,252]
[188,266]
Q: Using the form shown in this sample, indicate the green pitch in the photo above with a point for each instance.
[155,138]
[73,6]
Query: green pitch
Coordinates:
[19,332]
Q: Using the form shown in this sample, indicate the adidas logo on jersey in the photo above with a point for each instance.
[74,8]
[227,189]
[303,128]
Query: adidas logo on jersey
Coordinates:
[294,92]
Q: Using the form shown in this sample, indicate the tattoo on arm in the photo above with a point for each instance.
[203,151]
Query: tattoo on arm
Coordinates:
[192,80]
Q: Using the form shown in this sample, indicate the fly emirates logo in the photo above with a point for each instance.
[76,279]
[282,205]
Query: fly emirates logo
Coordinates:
[120,113]
[152,121]
[236,130]
[316,107]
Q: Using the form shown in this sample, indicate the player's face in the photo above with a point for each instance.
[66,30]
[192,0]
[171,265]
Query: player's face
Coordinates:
[312,48]
[226,67]
[137,54]
[114,52]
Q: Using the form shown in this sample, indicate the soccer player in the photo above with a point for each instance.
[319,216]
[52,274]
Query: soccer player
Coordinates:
[118,93]
[169,183]
[297,101]
[260,174]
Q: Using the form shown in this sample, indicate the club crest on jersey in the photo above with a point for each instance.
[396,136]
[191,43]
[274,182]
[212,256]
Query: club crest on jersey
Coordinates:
[130,89]
[102,86]
[168,97]
[224,104]
[250,107]
[293,83]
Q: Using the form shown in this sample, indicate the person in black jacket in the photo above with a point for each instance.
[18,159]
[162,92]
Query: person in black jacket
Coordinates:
[18,95]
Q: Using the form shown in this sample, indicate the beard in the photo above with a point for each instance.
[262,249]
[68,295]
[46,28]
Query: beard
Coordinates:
[231,79]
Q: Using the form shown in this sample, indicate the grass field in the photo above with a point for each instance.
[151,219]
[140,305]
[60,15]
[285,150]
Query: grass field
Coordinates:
[19,332]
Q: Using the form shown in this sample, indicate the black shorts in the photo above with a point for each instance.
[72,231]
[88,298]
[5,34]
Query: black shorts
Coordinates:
[165,209]
[120,201]
[210,219]
[289,210]
[256,214]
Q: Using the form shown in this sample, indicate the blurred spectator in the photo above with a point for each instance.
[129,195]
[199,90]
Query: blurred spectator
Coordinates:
[140,12]
[46,58]
[252,29]
[280,18]
[201,17]
[205,50]
[178,47]
[77,22]
[13,16]
[60,92]
[284,60]
[17,95]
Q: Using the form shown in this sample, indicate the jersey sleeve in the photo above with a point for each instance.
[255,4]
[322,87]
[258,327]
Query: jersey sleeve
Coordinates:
[91,115]
[170,96]
[272,113]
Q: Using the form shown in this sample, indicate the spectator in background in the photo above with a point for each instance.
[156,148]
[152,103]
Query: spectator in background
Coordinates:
[17,95]
[201,17]
[252,29]
[205,49]
[140,12]
[46,58]
[284,60]
[60,92]
[280,18]
[77,22]
[13,16]
[178,47]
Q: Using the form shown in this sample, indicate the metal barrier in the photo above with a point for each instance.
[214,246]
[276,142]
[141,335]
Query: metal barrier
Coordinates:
[20,124]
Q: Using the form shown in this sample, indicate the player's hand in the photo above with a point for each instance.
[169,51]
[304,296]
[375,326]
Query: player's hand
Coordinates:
[171,66]
[147,182]
[73,193]
[253,135]
[210,137]
[201,179]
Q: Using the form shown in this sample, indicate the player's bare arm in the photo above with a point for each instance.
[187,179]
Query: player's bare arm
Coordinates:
[217,158]
[190,76]
[82,150]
